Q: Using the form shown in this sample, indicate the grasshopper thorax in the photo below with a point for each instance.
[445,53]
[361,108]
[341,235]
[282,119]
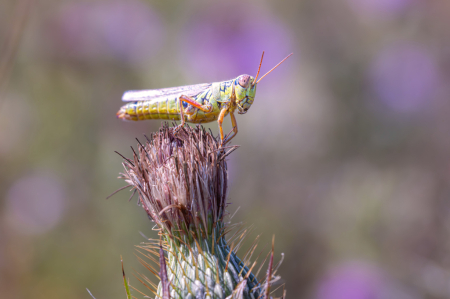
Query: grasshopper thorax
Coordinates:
[244,91]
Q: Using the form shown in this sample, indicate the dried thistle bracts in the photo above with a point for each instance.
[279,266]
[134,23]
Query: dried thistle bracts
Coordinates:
[181,178]
[180,175]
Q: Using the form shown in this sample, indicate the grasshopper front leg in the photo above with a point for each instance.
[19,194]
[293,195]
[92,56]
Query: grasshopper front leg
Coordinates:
[233,122]
[235,128]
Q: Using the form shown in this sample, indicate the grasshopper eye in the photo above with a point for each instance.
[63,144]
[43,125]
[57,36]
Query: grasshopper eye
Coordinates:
[244,80]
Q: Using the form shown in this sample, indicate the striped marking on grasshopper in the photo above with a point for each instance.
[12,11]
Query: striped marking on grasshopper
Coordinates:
[200,103]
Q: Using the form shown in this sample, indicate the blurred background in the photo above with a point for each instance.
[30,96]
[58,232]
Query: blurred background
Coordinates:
[344,154]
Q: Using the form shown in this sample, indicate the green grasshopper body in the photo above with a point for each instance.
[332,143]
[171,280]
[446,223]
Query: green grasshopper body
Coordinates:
[199,103]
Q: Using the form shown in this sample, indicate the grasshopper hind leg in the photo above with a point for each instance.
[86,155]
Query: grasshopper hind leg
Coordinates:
[188,100]
[205,108]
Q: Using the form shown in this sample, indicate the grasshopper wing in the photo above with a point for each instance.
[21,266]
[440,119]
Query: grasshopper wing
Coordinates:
[151,94]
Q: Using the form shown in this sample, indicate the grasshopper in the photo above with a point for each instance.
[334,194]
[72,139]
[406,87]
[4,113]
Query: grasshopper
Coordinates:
[200,103]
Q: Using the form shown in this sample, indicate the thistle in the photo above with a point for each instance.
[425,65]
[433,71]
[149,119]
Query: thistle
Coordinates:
[181,178]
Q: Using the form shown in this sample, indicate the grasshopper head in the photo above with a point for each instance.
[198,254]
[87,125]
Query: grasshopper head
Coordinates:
[245,92]
[245,87]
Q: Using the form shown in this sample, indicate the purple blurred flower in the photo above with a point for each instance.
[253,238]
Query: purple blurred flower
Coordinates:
[354,280]
[128,31]
[222,40]
[379,8]
[404,77]
[35,203]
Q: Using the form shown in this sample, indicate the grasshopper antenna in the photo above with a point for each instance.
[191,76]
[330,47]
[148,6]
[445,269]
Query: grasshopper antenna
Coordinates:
[258,68]
[273,67]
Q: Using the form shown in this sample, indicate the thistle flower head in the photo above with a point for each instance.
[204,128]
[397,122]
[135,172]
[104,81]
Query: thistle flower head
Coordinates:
[181,178]
[180,175]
